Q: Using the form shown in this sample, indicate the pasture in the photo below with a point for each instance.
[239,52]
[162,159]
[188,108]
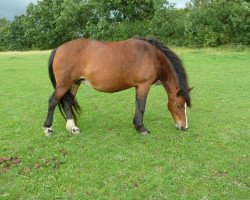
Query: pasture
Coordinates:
[108,159]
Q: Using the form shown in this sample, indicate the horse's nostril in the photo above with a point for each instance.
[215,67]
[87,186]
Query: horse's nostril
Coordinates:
[184,129]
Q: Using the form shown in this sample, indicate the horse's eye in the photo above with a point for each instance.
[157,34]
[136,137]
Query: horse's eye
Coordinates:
[179,107]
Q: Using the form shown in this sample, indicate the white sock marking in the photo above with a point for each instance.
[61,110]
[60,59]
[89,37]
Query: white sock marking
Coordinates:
[48,131]
[71,127]
[70,124]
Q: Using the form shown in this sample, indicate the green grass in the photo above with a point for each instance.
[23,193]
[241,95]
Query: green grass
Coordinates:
[108,159]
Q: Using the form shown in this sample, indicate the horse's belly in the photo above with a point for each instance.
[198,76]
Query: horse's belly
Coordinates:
[106,85]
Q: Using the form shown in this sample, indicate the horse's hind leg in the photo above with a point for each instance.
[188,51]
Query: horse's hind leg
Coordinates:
[70,124]
[140,102]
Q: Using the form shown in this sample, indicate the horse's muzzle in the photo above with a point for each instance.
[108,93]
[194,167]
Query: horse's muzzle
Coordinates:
[181,128]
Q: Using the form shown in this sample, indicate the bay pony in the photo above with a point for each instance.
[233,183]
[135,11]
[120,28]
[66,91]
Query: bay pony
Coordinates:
[113,67]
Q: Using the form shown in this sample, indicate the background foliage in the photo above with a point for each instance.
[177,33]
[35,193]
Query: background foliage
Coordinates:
[201,23]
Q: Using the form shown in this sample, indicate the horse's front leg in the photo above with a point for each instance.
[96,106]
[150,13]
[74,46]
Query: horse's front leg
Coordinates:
[140,103]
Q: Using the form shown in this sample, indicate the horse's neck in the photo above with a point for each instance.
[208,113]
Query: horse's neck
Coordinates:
[171,87]
[171,81]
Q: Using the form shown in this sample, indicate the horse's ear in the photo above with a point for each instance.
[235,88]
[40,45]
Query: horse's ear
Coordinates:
[189,89]
[179,92]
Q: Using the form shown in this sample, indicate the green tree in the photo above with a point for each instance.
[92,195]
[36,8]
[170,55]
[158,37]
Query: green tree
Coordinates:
[50,23]
[216,23]
[41,23]
[168,25]
[72,21]
[53,22]
[197,3]
[16,34]
[120,19]
[4,33]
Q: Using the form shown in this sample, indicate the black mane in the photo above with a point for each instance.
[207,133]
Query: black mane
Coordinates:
[177,65]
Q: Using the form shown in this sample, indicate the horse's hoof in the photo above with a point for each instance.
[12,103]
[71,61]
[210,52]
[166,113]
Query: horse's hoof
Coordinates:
[144,133]
[48,131]
[75,131]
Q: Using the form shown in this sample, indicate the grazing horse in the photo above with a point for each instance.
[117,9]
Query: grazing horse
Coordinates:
[112,67]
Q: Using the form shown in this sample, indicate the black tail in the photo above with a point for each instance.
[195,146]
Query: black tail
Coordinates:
[68,97]
[51,73]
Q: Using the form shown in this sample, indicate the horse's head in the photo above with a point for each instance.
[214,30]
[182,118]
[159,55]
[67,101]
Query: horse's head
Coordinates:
[177,105]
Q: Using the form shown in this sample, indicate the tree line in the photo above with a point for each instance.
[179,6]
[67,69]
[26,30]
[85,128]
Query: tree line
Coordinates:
[201,23]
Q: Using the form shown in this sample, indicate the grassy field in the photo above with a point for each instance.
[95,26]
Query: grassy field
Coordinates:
[108,159]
